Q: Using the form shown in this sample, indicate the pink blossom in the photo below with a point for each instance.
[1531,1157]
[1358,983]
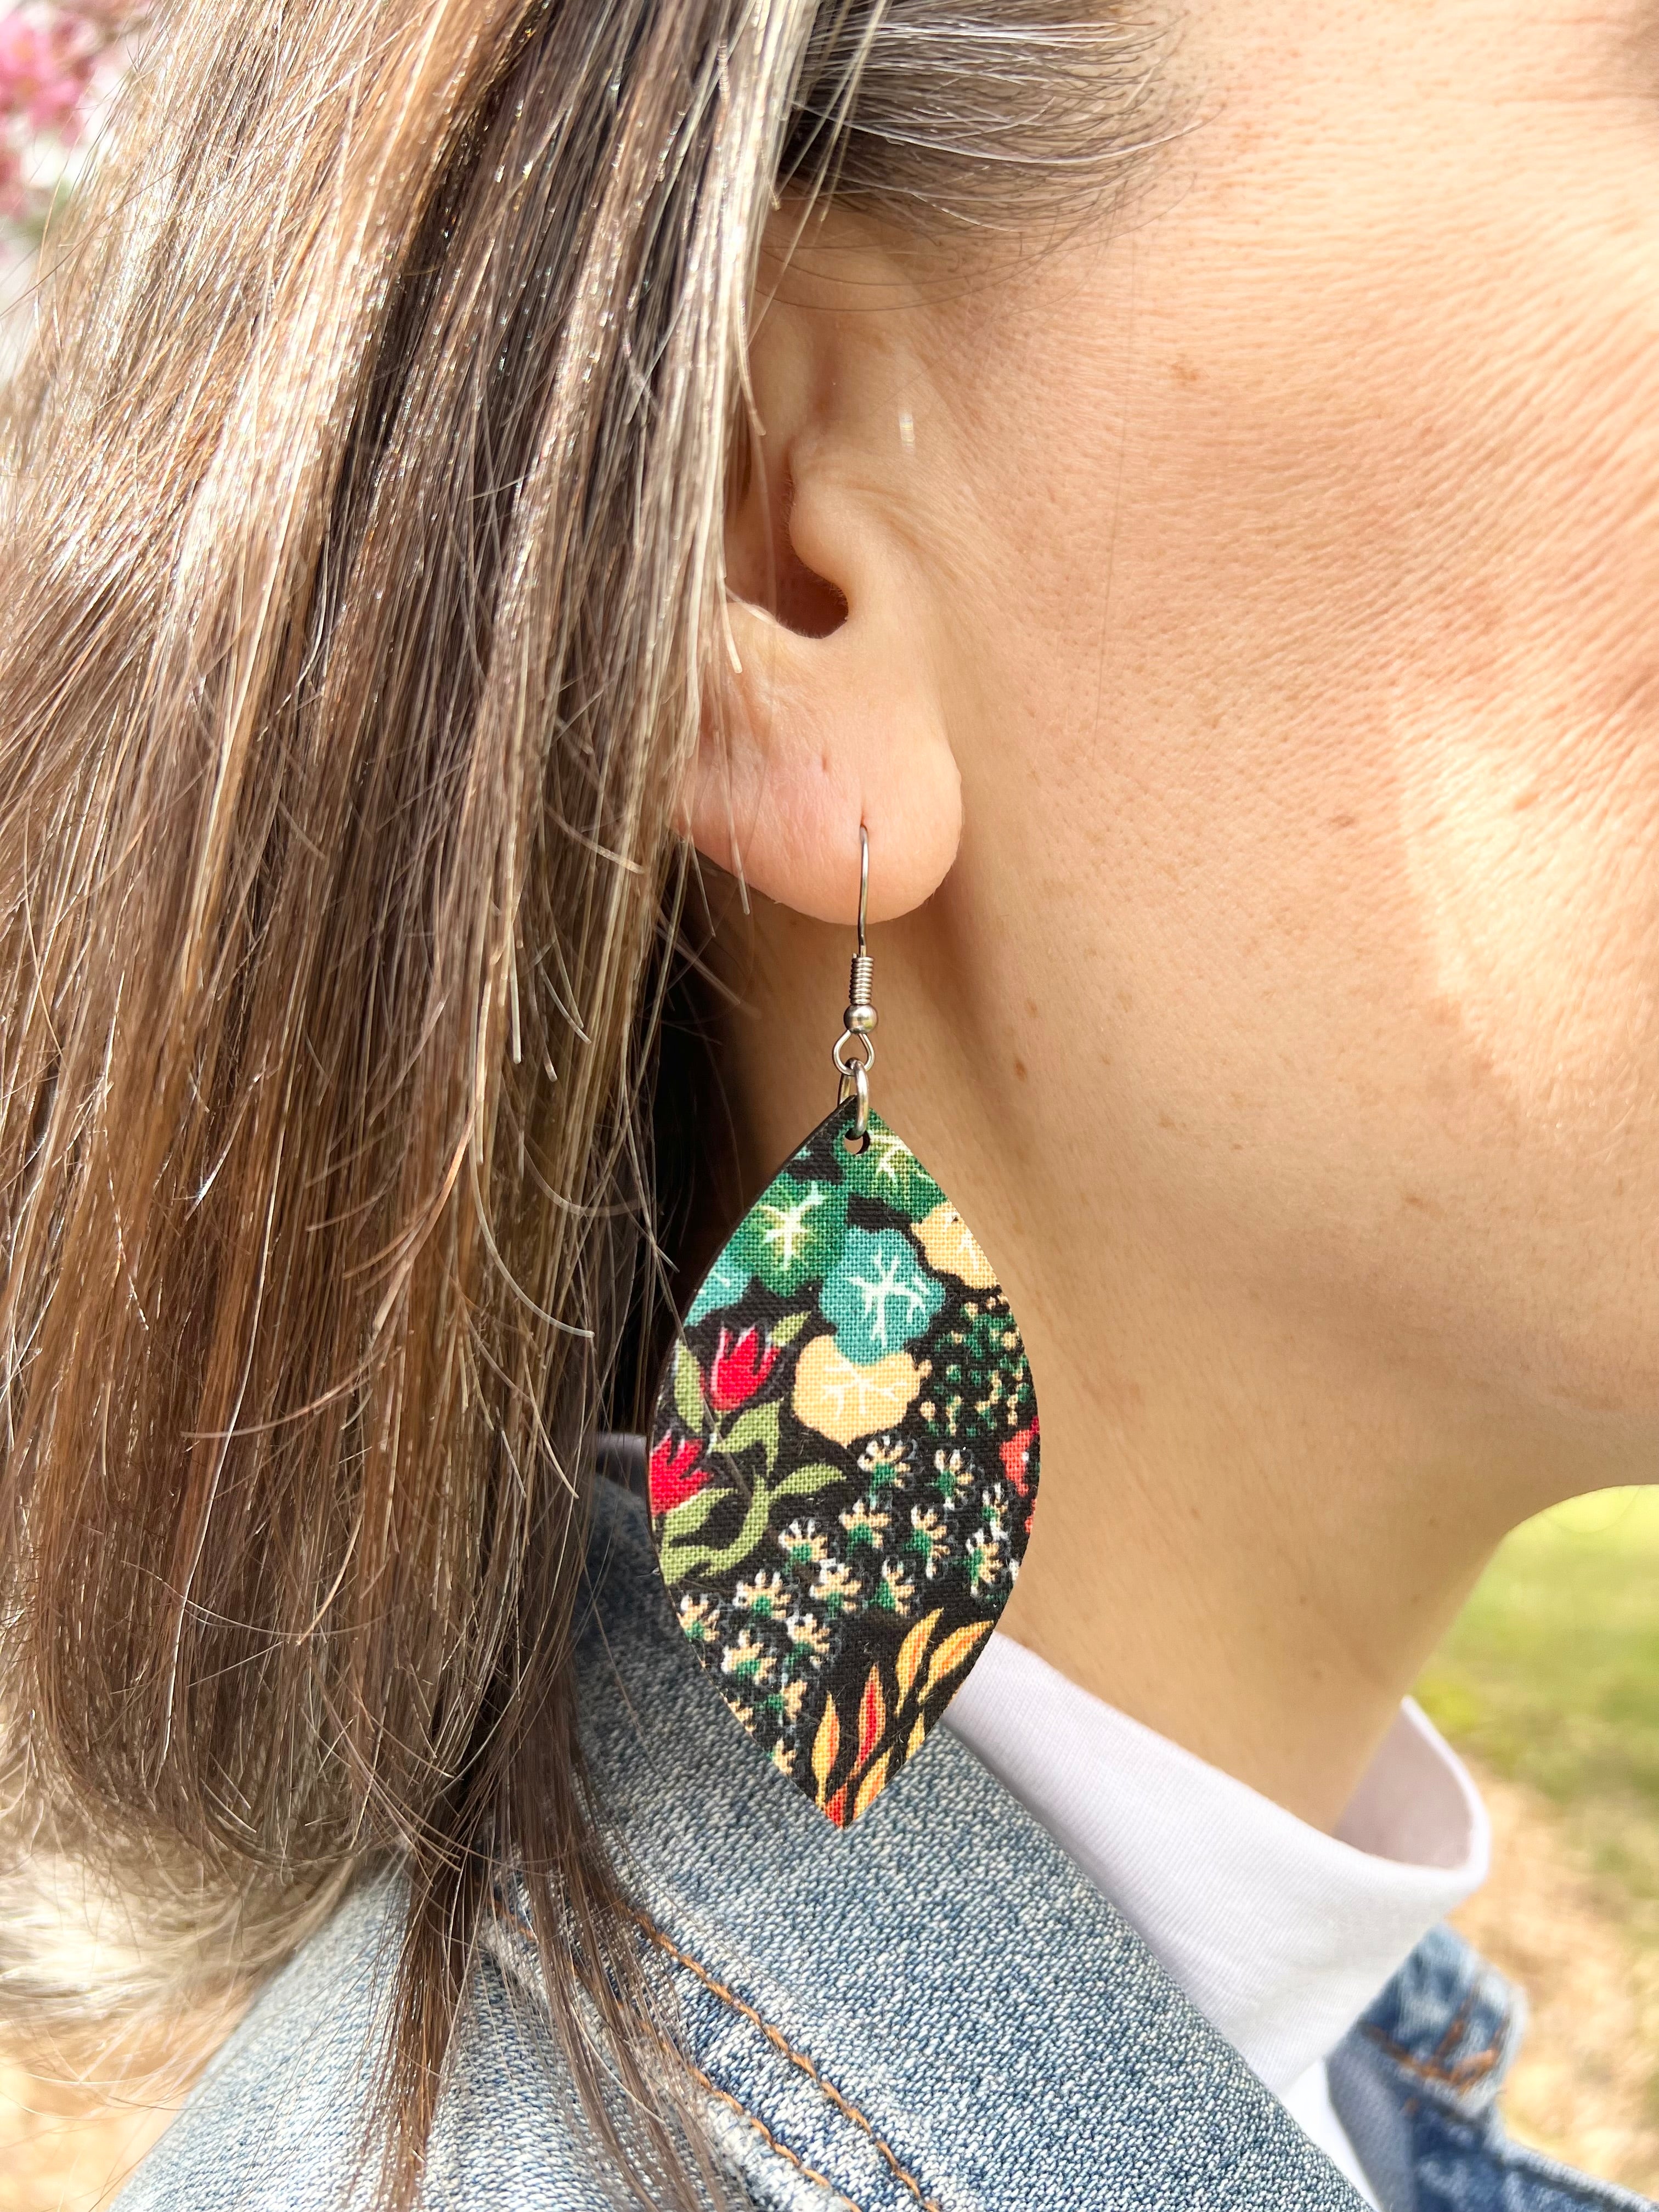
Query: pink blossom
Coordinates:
[46,71]
[55,62]
[50,60]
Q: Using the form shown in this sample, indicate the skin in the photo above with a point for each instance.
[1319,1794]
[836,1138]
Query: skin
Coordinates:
[1234,624]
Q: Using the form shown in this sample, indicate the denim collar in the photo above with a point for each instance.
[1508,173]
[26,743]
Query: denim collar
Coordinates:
[1279,1933]
[931,2007]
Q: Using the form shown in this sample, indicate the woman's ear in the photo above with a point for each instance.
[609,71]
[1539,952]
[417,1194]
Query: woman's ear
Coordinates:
[823,711]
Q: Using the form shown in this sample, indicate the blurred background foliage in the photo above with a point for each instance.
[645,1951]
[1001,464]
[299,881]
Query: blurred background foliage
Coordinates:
[1548,1684]
[1551,1677]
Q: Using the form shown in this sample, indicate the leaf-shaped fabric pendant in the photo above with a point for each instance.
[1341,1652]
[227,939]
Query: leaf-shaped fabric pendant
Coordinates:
[843,1463]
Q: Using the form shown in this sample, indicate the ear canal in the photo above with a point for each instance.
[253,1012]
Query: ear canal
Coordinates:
[807,602]
[843,1464]
[765,567]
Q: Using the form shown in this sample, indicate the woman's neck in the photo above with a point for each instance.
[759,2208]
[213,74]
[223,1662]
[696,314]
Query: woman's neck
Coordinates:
[1256,1517]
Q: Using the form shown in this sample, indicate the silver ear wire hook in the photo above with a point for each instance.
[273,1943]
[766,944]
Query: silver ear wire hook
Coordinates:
[860,1016]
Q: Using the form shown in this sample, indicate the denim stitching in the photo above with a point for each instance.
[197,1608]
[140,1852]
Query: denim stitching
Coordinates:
[1461,2076]
[1454,2035]
[779,2042]
[755,2121]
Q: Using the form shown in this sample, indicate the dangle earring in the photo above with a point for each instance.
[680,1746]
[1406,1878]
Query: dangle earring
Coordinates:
[843,1459]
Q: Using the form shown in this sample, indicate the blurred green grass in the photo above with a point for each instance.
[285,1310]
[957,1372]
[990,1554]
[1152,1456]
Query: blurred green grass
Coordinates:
[1550,1677]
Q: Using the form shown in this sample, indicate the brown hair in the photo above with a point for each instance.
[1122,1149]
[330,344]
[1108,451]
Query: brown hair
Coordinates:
[362,540]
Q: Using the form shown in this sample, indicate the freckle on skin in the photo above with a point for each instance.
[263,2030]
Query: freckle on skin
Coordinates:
[1342,820]
[1019,1071]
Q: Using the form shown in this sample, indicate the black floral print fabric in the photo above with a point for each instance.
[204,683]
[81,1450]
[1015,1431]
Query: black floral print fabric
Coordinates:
[843,1464]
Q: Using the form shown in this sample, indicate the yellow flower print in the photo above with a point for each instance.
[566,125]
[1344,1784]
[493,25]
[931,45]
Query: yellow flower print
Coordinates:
[807,1634]
[700,1617]
[842,1401]
[952,1248]
[953,1475]
[748,1659]
[864,1524]
[803,1544]
[993,1507]
[985,1560]
[929,1539]
[835,1588]
[765,1595]
[886,1460]
[897,1593]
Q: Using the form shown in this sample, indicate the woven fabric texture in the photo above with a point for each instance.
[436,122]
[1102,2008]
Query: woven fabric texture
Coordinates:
[843,1463]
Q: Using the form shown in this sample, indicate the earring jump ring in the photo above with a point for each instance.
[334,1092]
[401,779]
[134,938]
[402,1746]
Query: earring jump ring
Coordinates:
[855,1082]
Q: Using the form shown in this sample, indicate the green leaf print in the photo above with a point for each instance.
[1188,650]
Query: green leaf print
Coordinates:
[807,1481]
[792,1234]
[682,1521]
[688,1390]
[787,1330]
[888,1170]
[759,1425]
[679,1559]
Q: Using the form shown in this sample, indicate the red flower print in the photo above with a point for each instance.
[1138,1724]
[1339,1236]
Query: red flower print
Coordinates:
[1017,1458]
[739,1370]
[675,1474]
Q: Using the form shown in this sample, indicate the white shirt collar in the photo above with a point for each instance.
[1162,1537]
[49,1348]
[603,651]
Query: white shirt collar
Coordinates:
[1280,1935]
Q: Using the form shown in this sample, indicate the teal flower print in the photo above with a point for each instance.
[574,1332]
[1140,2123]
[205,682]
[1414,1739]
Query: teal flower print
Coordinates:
[879,1297]
[725,1284]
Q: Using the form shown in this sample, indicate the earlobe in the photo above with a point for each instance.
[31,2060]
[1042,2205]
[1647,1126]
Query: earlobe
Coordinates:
[807,739]
[823,709]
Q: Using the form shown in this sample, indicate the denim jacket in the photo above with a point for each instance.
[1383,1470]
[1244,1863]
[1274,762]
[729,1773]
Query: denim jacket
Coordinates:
[930,2011]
